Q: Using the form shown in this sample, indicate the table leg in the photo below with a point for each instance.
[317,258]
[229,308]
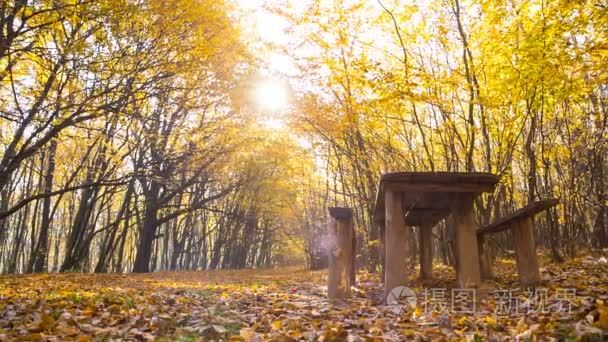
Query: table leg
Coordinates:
[396,243]
[426,251]
[466,242]
[485,259]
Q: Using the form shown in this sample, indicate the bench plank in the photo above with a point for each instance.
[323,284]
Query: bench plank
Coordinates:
[529,210]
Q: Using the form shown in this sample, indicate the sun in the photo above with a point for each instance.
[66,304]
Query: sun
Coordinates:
[272,95]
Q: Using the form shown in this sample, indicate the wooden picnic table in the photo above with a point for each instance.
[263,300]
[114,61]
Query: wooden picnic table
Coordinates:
[422,199]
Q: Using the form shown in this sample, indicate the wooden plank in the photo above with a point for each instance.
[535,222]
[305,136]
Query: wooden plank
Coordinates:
[425,216]
[529,210]
[525,252]
[438,187]
[441,177]
[340,212]
[341,232]
[430,190]
[397,246]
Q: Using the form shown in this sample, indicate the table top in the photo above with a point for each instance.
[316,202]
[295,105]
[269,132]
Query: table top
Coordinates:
[428,196]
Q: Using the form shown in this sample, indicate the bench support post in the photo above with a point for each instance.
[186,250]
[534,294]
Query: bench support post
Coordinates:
[485,259]
[525,252]
[341,234]
[396,243]
[353,256]
[467,258]
[426,251]
[382,250]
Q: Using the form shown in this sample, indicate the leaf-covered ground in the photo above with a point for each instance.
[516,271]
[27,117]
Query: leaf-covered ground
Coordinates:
[290,304]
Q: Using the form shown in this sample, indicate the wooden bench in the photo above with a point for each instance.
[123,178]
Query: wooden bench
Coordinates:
[522,226]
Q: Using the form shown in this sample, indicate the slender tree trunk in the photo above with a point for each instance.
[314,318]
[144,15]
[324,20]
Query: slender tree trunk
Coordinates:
[148,231]
[42,248]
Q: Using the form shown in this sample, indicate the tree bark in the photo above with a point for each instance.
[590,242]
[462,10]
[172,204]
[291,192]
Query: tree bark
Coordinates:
[42,248]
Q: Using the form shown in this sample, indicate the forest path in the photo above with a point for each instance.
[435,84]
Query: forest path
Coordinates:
[287,304]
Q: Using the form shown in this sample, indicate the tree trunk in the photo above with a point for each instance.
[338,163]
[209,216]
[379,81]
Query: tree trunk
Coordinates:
[146,238]
[41,253]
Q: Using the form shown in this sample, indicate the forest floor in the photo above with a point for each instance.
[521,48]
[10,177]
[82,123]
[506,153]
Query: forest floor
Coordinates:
[290,304]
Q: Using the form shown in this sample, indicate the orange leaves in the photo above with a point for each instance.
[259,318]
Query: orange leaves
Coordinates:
[279,305]
[602,321]
[44,323]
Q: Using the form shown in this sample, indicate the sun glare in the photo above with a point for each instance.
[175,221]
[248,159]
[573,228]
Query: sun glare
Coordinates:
[274,124]
[271,28]
[271,96]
